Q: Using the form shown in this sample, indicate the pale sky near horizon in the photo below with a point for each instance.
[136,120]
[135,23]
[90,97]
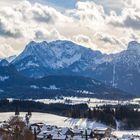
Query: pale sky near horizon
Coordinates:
[105,25]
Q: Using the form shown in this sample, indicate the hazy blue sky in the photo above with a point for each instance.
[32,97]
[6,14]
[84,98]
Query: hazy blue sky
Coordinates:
[59,3]
[108,4]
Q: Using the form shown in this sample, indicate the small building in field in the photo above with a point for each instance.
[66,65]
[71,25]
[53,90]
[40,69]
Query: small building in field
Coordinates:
[59,137]
[101,133]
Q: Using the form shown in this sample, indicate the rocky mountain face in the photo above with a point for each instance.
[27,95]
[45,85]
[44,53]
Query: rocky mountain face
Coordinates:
[120,70]
[57,58]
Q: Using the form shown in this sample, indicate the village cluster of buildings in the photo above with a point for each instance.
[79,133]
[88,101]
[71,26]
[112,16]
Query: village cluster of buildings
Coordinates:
[41,131]
[51,132]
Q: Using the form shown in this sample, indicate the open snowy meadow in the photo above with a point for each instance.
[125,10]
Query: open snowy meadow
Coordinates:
[92,102]
[55,120]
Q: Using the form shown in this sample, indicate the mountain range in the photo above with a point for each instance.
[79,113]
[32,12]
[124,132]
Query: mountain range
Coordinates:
[64,58]
[15,85]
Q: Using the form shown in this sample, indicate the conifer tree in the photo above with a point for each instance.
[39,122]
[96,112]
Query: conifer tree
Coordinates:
[17,112]
[35,135]
[86,135]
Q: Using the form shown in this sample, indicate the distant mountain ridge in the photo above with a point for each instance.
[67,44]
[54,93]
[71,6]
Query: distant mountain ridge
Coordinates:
[15,85]
[121,70]
[9,59]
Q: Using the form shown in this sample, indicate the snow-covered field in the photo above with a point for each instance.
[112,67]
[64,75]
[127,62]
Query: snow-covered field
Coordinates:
[92,102]
[56,120]
[121,133]
[66,122]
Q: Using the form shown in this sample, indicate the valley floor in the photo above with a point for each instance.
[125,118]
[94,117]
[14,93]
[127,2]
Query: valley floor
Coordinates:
[91,102]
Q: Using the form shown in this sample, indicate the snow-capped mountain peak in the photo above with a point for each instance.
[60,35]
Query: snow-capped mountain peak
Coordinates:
[134,46]
[34,45]
[57,55]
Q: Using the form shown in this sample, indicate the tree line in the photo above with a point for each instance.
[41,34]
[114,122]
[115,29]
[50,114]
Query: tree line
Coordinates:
[128,116]
[25,105]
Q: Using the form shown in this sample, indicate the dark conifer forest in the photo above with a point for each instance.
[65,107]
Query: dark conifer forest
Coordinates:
[129,116]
